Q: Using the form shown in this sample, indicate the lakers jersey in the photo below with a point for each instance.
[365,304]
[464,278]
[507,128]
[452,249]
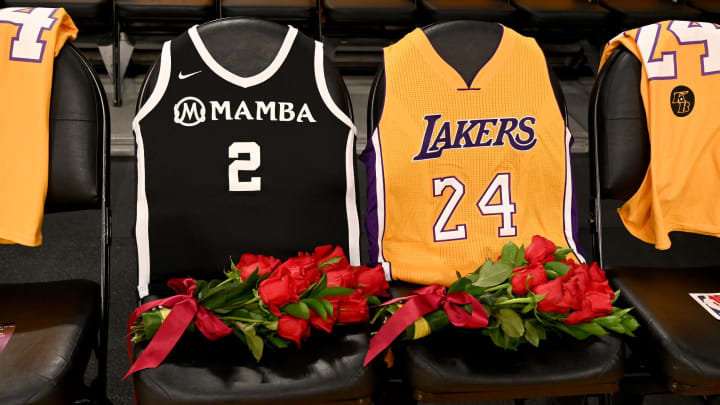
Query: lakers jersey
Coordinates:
[230,164]
[680,85]
[30,38]
[456,170]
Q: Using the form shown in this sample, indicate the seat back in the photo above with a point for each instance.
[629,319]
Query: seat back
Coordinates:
[620,155]
[254,45]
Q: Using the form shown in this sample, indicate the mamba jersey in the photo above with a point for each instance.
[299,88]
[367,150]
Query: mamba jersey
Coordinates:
[457,170]
[230,164]
[680,84]
[30,38]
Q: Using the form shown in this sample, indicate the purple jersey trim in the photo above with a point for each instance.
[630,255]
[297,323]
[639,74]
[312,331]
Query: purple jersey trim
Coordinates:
[369,158]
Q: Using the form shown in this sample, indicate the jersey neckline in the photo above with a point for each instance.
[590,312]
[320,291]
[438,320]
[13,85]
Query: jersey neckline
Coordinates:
[238,80]
[449,74]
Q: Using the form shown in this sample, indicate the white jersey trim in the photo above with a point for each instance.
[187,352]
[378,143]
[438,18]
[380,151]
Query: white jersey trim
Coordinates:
[244,82]
[350,197]
[380,195]
[568,203]
[141,224]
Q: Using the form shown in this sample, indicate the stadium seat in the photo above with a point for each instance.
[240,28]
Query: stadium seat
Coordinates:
[485,10]
[57,322]
[681,337]
[329,369]
[563,12]
[89,15]
[637,13]
[294,11]
[461,365]
[394,12]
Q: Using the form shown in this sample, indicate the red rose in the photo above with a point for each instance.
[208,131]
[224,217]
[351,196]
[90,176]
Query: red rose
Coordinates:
[519,279]
[353,308]
[540,250]
[278,290]
[596,273]
[556,299]
[249,263]
[324,253]
[342,278]
[324,324]
[292,328]
[594,304]
[371,280]
[303,270]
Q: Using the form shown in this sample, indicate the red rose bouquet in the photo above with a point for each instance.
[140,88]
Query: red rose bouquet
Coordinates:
[262,301]
[517,299]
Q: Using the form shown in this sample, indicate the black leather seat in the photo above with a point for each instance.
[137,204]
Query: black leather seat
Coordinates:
[563,12]
[274,10]
[484,10]
[400,12]
[329,368]
[57,322]
[461,365]
[707,6]
[680,345]
[637,13]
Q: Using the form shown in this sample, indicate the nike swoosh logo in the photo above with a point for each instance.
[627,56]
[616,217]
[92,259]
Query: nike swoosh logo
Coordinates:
[181,76]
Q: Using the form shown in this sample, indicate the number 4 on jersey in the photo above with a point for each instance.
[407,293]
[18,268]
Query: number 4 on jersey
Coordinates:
[27,45]
[505,208]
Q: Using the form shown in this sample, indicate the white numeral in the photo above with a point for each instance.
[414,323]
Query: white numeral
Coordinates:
[27,45]
[708,34]
[251,164]
[505,207]
[657,68]
[458,188]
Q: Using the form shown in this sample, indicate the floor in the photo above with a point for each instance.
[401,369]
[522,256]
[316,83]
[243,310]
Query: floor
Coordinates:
[72,239]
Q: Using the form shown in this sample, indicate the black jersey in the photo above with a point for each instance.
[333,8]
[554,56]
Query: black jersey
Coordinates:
[230,164]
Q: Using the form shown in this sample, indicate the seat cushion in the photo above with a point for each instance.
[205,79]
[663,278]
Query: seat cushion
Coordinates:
[566,12]
[708,6]
[686,335]
[163,10]
[463,365]
[369,11]
[270,9]
[327,369]
[56,326]
[641,12]
[486,10]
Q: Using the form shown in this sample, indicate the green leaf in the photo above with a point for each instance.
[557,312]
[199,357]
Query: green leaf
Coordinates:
[573,330]
[559,268]
[298,310]
[509,253]
[373,300]
[152,320]
[328,262]
[510,322]
[460,285]
[334,292]
[617,295]
[592,328]
[328,306]
[254,342]
[278,341]
[561,253]
[458,275]
[531,334]
[493,274]
[316,306]
[497,337]
[520,257]
[202,287]
[630,323]
[475,291]
[607,321]
[551,274]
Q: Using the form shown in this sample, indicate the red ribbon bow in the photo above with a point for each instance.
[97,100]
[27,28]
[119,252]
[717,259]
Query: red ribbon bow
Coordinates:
[422,302]
[185,309]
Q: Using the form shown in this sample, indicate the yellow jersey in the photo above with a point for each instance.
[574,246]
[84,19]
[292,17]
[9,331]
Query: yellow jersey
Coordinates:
[30,38]
[680,84]
[456,170]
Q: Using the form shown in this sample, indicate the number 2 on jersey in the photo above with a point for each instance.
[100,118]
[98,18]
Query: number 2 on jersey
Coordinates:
[505,208]
[252,149]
